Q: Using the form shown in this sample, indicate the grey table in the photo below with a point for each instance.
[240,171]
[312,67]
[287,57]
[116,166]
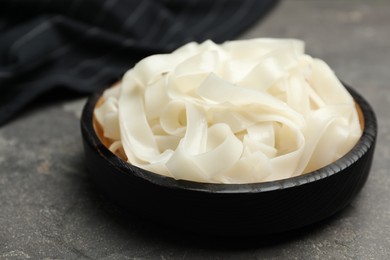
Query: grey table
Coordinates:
[49,208]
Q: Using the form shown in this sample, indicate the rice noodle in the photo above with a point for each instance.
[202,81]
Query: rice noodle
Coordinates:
[240,112]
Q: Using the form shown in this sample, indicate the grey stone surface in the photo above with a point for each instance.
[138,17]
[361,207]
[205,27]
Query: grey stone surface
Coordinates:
[50,209]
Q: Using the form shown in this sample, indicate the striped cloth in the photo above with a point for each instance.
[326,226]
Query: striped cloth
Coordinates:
[83,45]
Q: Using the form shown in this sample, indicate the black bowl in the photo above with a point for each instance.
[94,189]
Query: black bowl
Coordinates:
[231,209]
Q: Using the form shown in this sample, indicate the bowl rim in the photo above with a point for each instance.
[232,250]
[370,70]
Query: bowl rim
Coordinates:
[366,141]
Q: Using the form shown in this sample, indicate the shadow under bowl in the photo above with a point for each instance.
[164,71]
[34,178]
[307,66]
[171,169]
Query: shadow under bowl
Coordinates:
[231,209]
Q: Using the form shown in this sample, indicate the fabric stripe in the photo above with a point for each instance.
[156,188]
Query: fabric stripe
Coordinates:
[135,15]
[208,19]
[40,28]
[108,5]
[238,15]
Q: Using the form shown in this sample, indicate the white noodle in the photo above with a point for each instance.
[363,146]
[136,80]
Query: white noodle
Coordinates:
[244,111]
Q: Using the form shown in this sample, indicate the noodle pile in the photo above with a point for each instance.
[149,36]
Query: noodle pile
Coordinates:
[240,112]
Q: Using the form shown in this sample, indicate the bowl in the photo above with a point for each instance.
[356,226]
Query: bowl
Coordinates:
[231,209]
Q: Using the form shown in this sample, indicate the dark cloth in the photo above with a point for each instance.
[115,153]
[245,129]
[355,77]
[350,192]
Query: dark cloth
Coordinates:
[83,45]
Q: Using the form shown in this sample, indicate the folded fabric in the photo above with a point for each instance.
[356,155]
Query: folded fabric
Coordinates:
[84,45]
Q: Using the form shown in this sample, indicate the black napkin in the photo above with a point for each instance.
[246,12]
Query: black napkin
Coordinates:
[83,45]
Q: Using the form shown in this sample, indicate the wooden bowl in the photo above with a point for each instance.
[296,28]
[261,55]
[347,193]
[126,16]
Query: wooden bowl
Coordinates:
[232,209]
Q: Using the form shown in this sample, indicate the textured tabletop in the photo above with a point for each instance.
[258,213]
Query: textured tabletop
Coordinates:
[49,208]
